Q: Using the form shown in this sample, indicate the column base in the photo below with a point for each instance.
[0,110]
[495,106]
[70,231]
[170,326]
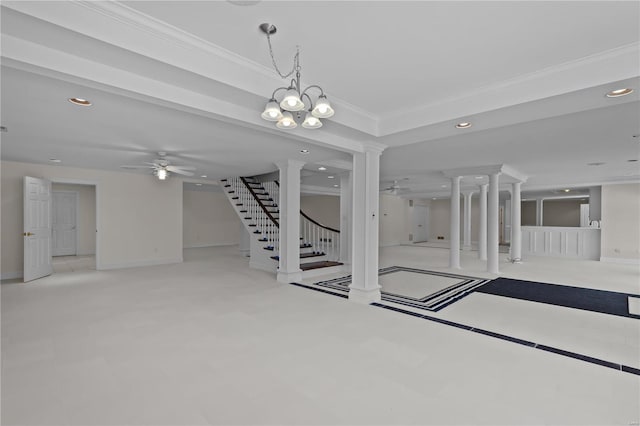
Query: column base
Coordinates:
[466,248]
[289,277]
[515,260]
[365,296]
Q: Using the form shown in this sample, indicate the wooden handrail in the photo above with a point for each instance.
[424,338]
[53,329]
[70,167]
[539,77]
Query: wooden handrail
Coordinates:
[255,196]
[311,220]
[318,224]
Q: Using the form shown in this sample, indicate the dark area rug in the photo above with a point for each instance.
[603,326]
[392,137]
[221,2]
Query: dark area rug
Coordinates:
[606,302]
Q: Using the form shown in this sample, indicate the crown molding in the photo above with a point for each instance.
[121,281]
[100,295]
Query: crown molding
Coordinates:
[604,67]
[122,26]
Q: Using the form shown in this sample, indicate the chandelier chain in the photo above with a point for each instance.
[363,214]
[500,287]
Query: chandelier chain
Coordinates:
[296,60]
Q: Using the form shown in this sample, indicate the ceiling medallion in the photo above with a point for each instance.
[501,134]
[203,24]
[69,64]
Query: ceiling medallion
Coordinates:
[289,110]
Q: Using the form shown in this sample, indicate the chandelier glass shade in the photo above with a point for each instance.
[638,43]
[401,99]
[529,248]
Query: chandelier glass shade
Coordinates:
[288,111]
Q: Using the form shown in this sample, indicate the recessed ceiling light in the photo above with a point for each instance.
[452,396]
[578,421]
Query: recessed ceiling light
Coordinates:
[434,198]
[203,176]
[619,92]
[198,184]
[443,186]
[322,168]
[479,177]
[304,151]
[463,125]
[55,160]
[598,163]
[79,101]
[335,186]
[330,177]
[566,190]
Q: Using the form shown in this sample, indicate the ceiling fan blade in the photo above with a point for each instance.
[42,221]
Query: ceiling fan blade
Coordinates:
[174,168]
[137,167]
[180,172]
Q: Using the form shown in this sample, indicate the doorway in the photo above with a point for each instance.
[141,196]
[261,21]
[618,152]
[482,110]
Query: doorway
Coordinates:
[64,215]
[420,219]
[73,220]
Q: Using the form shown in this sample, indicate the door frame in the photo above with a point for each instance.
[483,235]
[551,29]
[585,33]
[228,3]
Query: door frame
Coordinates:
[96,184]
[77,195]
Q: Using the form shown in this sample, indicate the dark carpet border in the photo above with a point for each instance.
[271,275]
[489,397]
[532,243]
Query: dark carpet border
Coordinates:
[580,357]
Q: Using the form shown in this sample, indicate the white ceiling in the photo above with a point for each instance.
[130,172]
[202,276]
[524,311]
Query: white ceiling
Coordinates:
[191,78]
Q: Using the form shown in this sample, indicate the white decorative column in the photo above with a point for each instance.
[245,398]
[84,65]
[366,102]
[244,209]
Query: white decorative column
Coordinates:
[364,287]
[289,206]
[493,236]
[516,230]
[454,250]
[539,208]
[482,231]
[345,217]
[466,219]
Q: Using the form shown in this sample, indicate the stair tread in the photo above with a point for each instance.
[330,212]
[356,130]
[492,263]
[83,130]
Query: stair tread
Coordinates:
[270,248]
[317,265]
[303,255]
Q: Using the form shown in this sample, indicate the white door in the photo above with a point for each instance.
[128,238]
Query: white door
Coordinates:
[65,205]
[419,228]
[37,228]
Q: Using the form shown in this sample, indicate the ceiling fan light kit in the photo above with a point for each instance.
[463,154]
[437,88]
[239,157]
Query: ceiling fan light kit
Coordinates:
[162,168]
[294,97]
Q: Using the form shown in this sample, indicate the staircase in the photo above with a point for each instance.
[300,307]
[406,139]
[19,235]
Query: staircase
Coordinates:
[256,204]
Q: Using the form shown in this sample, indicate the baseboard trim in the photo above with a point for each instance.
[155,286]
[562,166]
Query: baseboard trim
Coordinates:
[10,275]
[139,263]
[624,261]
[390,244]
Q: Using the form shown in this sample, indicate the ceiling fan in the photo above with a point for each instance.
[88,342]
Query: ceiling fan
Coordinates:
[394,188]
[162,167]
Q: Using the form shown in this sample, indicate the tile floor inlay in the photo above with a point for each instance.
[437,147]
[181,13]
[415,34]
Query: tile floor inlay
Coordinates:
[418,288]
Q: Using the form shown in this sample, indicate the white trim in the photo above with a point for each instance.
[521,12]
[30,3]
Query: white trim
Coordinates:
[98,206]
[621,260]
[10,275]
[139,263]
[390,244]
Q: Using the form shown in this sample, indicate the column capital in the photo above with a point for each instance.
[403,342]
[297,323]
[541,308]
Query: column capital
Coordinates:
[373,147]
[290,163]
[483,186]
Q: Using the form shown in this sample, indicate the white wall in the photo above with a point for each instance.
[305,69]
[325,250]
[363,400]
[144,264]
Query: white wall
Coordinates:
[86,220]
[139,217]
[394,222]
[439,219]
[324,209]
[209,220]
[620,238]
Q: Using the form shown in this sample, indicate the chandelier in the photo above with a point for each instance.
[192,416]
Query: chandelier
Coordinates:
[294,99]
